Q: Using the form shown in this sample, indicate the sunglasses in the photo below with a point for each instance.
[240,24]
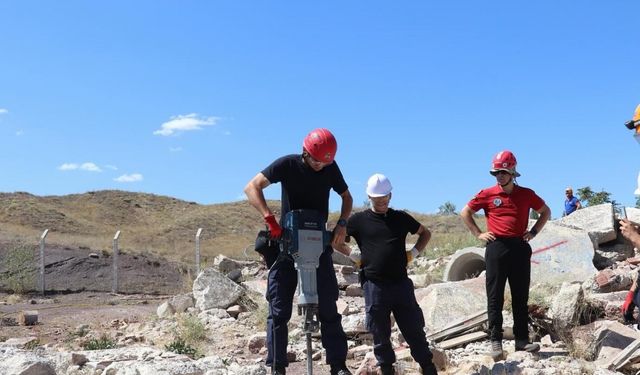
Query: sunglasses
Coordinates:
[499,172]
[313,160]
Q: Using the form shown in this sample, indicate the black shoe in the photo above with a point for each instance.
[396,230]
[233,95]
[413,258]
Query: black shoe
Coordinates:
[526,346]
[387,370]
[340,370]
[279,371]
[429,369]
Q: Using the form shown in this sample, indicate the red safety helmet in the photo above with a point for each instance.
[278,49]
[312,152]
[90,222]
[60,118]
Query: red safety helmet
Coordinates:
[321,145]
[504,161]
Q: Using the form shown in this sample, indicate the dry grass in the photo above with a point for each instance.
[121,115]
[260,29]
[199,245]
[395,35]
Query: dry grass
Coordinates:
[165,226]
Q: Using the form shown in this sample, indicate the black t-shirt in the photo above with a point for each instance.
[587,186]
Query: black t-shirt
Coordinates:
[302,187]
[381,239]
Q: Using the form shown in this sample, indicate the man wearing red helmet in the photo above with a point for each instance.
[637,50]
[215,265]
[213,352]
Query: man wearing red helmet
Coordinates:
[306,180]
[508,254]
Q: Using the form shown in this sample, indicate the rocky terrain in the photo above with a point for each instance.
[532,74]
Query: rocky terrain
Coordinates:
[215,324]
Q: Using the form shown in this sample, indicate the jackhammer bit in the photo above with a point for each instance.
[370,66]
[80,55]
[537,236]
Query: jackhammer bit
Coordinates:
[310,313]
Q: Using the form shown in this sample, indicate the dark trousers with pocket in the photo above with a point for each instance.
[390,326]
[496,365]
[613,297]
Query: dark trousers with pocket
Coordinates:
[382,299]
[508,259]
[281,287]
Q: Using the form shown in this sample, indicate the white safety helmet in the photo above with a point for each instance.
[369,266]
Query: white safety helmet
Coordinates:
[378,185]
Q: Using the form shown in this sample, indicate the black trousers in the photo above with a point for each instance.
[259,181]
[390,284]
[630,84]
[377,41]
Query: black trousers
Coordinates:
[383,298]
[508,259]
[281,287]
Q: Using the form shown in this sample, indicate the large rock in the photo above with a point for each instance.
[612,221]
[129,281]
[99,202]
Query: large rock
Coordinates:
[633,214]
[561,254]
[354,324]
[448,302]
[565,309]
[26,363]
[181,302]
[225,264]
[597,220]
[213,290]
[613,337]
[602,340]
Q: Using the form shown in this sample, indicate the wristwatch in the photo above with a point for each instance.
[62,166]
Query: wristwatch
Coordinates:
[342,222]
[533,232]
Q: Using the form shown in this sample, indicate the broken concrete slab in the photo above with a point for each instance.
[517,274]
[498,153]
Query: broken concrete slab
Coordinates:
[624,356]
[561,254]
[633,214]
[597,220]
[449,302]
[455,328]
[462,339]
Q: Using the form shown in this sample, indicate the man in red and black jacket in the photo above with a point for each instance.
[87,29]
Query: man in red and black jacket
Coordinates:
[508,254]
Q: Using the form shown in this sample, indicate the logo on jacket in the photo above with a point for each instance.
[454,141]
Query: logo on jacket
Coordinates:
[497,202]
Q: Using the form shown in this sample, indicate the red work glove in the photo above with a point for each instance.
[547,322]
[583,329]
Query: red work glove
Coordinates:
[627,306]
[274,228]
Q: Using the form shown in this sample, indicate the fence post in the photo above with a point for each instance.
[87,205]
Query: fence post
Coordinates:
[198,234]
[42,239]
[114,289]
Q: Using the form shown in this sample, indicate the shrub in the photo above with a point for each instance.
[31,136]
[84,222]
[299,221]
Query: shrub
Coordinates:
[104,342]
[31,345]
[191,329]
[179,346]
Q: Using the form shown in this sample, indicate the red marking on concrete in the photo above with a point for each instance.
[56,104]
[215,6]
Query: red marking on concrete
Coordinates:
[537,251]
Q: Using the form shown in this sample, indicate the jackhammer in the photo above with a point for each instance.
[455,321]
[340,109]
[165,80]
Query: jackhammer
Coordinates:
[304,238]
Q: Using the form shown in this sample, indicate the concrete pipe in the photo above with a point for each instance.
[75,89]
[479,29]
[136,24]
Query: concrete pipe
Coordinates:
[465,264]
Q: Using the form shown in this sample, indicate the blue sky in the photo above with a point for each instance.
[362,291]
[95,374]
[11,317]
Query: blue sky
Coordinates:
[191,99]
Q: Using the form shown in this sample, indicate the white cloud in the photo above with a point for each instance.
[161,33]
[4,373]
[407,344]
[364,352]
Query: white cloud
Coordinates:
[112,167]
[134,177]
[227,133]
[89,167]
[183,123]
[175,149]
[3,111]
[68,167]
[19,133]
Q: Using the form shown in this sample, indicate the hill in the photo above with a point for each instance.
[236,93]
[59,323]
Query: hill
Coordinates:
[161,225]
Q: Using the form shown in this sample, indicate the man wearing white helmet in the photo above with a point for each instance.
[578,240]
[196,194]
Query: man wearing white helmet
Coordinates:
[508,254]
[381,233]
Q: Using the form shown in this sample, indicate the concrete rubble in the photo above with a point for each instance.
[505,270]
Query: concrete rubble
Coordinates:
[575,315]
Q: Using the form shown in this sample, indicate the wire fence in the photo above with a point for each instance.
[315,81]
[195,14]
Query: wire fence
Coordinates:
[24,270]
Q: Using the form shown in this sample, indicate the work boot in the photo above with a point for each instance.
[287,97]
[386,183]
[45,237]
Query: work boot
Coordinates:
[340,369]
[525,345]
[278,371]
[429,369]
[496,350]
[387,370]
